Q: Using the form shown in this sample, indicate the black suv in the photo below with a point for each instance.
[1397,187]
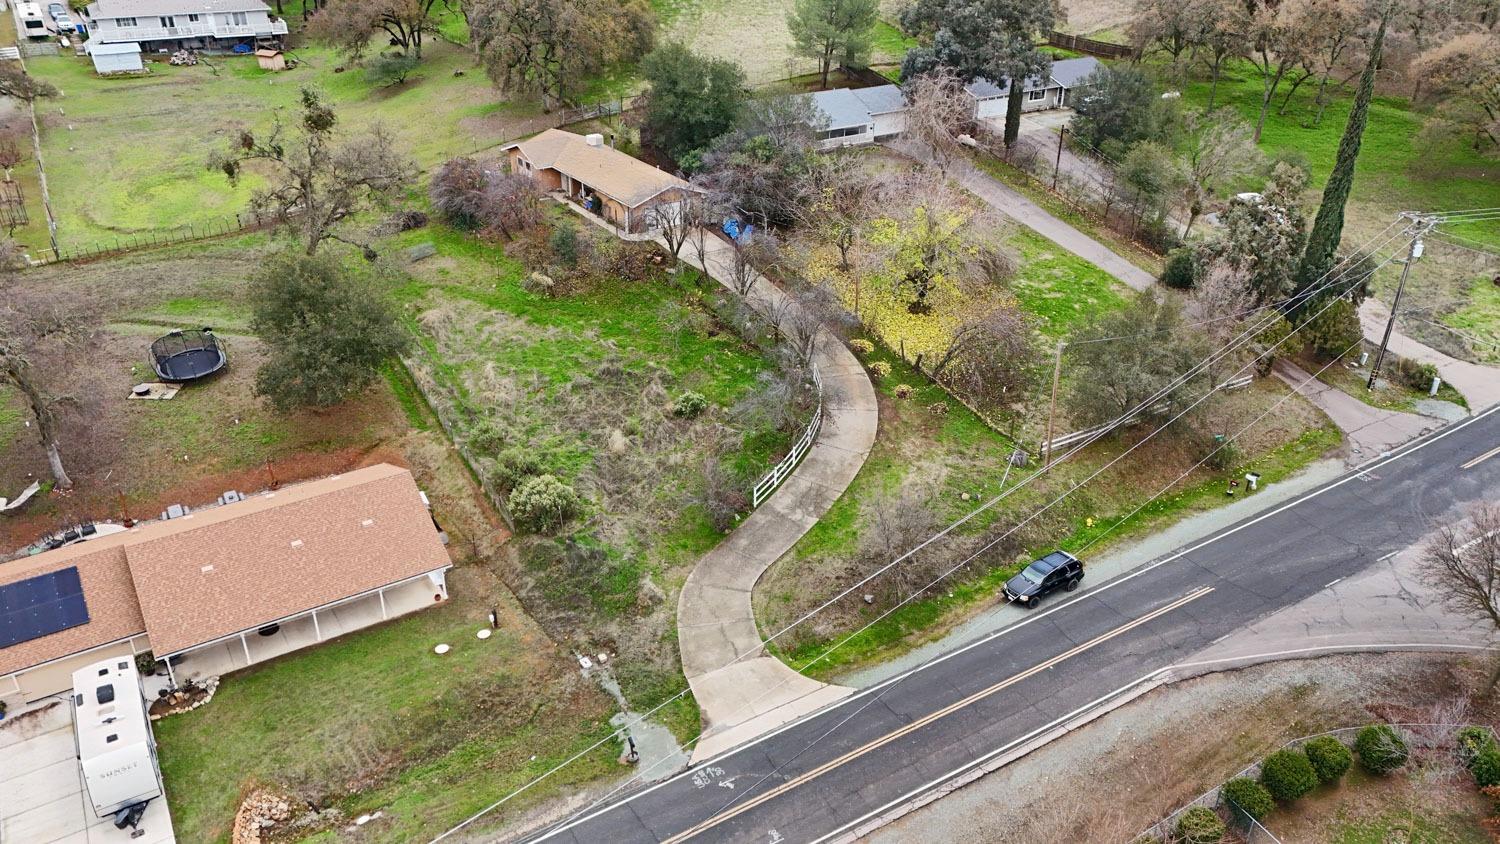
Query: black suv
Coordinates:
[1058,569]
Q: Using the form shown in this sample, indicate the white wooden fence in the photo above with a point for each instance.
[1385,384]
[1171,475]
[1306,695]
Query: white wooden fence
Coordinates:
[772,479]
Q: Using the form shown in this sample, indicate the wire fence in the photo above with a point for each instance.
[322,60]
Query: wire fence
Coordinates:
[1085,180]
[1255,832]
[243,222]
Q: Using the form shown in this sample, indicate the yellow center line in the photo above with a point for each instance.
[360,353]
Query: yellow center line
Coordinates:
[1481,458]
[934,716]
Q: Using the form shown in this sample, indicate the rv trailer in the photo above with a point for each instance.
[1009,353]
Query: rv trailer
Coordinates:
[116,750]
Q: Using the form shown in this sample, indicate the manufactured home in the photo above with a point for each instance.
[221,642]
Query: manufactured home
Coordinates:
[116,749]
[167,25]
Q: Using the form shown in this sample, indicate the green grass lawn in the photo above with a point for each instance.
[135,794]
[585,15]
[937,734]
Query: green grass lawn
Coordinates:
[461,730]
[130,155]
[890,43]
[1396,170]
[1059,288]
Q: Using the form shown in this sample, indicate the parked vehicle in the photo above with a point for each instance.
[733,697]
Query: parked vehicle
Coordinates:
[1058,570]
[33,25]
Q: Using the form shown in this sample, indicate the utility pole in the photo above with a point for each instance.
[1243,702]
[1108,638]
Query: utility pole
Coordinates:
[1052,411]
[1058,165]
[1421,225]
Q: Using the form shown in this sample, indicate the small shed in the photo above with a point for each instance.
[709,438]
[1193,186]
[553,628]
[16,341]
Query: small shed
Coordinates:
[270,59]
[117,57]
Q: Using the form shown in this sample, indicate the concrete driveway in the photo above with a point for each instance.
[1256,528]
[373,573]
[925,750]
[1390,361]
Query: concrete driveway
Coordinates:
[42,800]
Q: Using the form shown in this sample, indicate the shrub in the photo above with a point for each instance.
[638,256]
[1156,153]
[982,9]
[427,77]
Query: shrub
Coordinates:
[514,465]
[1147,839]
[1414,374]
[904,391]
[1381,749]
[938,408]
[689,404]
[488,437]
[1249,797]
[145,663]
[387,69]
[1181,271]
[1200,825]
[564,243]
[1486,767]
[1329,757]
[880,369]
[1287,775]
[543,503]
[861,346]
[1471,741]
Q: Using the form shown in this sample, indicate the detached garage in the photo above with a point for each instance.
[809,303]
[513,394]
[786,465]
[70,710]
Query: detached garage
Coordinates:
[120,57]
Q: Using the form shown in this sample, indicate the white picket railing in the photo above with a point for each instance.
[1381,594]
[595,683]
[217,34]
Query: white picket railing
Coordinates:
[772,479]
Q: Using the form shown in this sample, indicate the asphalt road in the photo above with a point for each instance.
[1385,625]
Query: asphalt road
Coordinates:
[839,767]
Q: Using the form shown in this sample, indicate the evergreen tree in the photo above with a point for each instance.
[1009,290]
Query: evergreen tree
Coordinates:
[1328,227]
[833,30]
[692,99]
[981,39]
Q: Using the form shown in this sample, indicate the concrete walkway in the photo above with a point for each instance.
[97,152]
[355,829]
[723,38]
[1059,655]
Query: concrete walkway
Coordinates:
[1479,384]
[1369,430]
[1008,201]
[742,692]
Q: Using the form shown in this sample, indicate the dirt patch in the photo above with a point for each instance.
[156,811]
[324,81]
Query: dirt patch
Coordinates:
[1144,760]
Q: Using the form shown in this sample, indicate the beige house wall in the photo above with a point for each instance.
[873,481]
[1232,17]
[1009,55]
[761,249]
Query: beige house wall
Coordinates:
[56,677]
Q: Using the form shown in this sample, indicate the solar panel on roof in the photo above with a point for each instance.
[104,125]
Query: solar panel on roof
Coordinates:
[41,605]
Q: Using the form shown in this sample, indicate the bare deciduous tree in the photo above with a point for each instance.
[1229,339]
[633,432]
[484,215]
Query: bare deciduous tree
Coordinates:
[1218,150]
[749,257]
[319,178]
[842,195]
[16,82]
[991,358]
[34,337]
[1463,567]
[937,111]
[547,47]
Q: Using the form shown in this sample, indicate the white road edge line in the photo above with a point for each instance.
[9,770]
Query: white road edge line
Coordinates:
[1331,582]
[968,766]
[1381,460]
[1387,557]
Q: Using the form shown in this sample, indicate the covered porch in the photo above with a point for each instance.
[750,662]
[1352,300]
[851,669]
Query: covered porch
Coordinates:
[304,629]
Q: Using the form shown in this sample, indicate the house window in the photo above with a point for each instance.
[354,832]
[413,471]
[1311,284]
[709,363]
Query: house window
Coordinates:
[1036,95]
[192,18]
[167,22]
[124,21]
[845,132]
[238,18]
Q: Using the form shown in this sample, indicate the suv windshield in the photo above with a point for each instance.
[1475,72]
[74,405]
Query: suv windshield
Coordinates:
[1036,571]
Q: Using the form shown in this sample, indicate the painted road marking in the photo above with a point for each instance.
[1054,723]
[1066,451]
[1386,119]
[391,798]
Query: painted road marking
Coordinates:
[1481,458]
[934,716]
[1374,463]
[1387,557]
[1331,582]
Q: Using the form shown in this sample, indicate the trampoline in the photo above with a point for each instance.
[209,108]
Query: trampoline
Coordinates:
[187,355]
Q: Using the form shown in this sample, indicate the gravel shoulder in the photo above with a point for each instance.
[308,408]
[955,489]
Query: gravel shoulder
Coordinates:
[1145,759]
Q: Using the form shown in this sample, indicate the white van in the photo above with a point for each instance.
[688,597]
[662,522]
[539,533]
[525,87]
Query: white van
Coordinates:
[116,749]
[33,21]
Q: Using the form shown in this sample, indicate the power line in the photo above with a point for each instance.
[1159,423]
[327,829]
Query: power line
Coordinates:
[777,769]
[1229,347]
[956,568]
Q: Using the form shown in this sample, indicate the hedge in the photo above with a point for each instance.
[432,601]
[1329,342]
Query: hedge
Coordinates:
[1249,797]
[1381,749]
[1329,757]
[1287,774]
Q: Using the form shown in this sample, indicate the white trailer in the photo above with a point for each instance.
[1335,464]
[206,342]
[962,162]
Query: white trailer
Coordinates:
[33,23]
[116,749]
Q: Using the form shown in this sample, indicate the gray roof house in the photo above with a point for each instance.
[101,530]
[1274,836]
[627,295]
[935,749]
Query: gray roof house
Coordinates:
[866,115]
[1052,92]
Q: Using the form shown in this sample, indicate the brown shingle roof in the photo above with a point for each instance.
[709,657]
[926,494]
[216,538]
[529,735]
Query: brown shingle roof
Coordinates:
[602,168]
[107,592]
[244,565]
[272,555]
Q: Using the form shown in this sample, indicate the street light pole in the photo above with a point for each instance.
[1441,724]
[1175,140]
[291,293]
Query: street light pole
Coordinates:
[1413,252]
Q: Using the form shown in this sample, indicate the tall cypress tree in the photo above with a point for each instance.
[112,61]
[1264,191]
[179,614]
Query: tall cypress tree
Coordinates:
[1328,228]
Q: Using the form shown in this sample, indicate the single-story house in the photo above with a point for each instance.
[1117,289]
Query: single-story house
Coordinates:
[859,116]
[167,25]
[625,191]
[115,57]
[991,100]
[852,117]
[221,588]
